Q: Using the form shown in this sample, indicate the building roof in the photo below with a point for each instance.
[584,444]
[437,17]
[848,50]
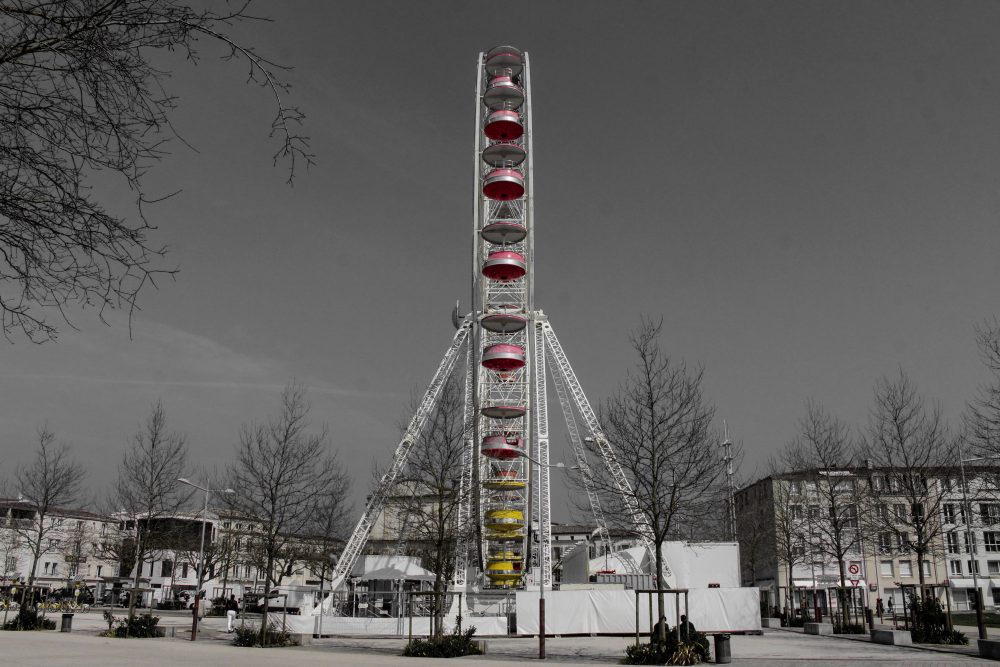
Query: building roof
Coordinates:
[20,504]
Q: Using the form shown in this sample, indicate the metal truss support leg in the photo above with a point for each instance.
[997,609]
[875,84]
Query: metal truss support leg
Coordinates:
[376,503]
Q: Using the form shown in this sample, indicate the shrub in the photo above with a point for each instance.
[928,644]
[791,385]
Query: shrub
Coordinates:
[930,623]
[850,629]
[28,619]
[138,627]
[444,646]
[689,652]
[250,636]
[246,635]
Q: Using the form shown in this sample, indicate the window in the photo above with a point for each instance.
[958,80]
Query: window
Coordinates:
[948,512]
[883,512]
[926,567]
[991,539]
[843,486]
[955,568]
[851,516]
[166,568]
[54,567]
[814,511]
[885,568]
[796,488]
[46,570]
[970,542]
[99,568]
[948,484]
[990,513]
[993,567]
[902,542]
[796,511]
[885,543]
[971,564]
[184,570]
[899,510]
[800,547]
[952,542]
[878,483]
[811,486]
[905,568]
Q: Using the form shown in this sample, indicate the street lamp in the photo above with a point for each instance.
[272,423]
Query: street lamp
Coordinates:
[201,549]
[970,539]
[543,556]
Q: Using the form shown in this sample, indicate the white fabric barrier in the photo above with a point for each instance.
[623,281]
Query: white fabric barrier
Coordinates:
[346,625]
[613,611]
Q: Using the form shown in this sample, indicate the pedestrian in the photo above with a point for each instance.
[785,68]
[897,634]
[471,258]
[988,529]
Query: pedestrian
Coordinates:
[687,628]
[879,609]
[232,609]
[660,631]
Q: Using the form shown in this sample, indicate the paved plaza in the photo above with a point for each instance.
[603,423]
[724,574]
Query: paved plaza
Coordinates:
[84,647]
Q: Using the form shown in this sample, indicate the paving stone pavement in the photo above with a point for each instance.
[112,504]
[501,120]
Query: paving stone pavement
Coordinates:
[83,647]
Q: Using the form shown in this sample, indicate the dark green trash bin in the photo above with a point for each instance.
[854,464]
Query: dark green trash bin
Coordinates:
[67,623]
[722,651]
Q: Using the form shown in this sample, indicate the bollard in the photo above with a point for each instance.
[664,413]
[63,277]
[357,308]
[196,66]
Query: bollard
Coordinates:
[723,654]
[67,623]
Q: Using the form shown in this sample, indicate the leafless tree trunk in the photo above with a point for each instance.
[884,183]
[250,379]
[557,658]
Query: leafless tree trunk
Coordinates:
[790,526]
[908,444]
[50,482]
[824,450]
[282,474]
[659,426]
[83,94]
[147,487]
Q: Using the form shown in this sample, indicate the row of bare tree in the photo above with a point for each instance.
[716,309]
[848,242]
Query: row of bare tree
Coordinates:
[887,487]
[289,492]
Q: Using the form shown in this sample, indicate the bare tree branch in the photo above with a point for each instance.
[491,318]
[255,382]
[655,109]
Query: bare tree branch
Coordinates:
[80,95]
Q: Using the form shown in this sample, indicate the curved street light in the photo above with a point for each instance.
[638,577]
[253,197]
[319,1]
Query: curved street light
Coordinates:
[201,549]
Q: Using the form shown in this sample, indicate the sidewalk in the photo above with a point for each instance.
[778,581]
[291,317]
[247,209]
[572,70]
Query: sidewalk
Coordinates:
[54,649]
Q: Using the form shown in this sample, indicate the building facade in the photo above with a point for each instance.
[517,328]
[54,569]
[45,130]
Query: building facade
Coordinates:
[800,532]
[73,553]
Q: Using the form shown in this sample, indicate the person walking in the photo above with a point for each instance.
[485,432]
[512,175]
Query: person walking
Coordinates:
[232,609]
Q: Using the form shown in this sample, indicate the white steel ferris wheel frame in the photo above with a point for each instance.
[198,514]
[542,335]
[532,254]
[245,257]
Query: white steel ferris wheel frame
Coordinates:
[524,387]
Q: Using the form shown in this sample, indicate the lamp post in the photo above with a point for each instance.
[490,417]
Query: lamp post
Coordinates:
[970,538]
[201,549]
[542,557]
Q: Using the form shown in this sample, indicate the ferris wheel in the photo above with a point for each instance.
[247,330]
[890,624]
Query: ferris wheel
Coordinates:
[508,346]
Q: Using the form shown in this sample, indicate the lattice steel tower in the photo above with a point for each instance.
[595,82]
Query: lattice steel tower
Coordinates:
[505,342]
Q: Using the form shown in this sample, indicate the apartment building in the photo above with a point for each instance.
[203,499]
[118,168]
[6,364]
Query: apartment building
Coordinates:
[793,526]
[73,552]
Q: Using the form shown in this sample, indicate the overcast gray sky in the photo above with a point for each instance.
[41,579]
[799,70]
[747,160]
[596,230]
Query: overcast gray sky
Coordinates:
[807,192]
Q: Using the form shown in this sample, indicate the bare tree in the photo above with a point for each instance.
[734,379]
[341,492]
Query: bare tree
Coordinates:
[429,494]
[84,92]
[982,415]
[50,482]
[790,526]
[282,474]
[908,444]
[325,534]
[824,450]
[658,424]
[147,489]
